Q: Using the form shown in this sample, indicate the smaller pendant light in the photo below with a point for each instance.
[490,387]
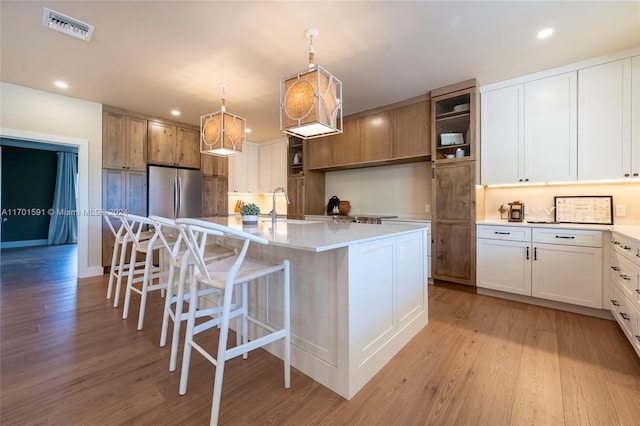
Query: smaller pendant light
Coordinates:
[311,101]
[222,133]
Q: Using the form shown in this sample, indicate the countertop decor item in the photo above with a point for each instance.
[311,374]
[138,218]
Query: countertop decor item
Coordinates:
[250,213]
[311,100]
[593,209]
[222,133]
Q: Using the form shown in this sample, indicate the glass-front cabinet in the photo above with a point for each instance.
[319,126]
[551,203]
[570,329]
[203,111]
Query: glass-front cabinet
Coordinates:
[454,126]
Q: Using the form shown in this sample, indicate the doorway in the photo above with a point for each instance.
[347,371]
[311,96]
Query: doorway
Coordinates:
[82,146]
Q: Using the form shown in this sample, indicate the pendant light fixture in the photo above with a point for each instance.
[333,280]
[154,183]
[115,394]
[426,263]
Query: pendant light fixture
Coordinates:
[222,133]
[311,101]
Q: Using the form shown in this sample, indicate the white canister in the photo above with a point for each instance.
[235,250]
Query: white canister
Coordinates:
[459,152]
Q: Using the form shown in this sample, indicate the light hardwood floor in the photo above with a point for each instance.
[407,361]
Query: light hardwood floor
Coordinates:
[68,358]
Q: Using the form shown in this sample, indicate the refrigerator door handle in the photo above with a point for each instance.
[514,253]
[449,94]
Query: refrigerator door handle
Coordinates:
[179,203]
[175,197]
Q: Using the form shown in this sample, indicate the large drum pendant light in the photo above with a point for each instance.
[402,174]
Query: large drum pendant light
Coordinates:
[311,101]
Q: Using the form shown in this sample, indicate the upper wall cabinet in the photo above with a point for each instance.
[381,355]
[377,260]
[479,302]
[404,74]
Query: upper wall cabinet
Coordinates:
[454,120]
[214,165]
[528,132]
[273,166]
[173,146]
[375,136]
[608,109]
[411,130]
[124,141]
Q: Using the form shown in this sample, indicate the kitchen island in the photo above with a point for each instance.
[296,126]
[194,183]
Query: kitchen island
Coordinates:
[358,294]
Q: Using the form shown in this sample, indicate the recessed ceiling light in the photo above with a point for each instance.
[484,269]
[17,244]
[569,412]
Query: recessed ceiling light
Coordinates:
[175,112]
[247,130]
[61,84]
[545,33]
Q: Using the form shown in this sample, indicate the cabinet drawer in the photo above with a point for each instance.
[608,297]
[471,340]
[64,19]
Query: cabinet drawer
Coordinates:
[511,233]
[624,313]
[627,275]
[569,237]
[627,247]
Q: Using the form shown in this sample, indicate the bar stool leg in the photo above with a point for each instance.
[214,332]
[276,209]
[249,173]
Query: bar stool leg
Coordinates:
[114,271]
[167,306]
[175,338]
[127,295]
[221,358]
[121,270]
[191,321]
[287,325]
[243,317]
[145,285]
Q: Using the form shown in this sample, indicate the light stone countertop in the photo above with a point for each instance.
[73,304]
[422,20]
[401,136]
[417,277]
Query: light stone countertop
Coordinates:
[315,236]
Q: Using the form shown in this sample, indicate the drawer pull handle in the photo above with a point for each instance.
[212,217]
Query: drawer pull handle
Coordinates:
[614,302]
[626,247]
[502,233]
[624,316]
[527,253]
[625,277]
[566,237]
[638,337]
[617,243]
[638,290]
[535,253]
[615,268]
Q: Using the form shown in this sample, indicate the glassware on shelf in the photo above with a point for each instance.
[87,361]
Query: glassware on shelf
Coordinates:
[549,211]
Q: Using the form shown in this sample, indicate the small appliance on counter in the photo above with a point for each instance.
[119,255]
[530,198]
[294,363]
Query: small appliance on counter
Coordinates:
[516,211]
[333,206]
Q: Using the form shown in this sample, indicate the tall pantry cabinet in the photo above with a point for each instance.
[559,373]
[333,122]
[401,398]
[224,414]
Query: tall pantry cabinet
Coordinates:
[124,172]
[454,114]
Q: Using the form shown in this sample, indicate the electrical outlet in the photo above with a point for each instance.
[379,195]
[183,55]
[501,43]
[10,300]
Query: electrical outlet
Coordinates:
[427,208]
[621,210]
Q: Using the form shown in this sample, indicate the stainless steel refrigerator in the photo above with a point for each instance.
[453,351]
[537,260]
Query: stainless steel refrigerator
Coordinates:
[175,192]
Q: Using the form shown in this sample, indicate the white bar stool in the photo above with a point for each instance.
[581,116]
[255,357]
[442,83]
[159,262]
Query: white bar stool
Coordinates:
[225,275]
[178,258]
[150,273]
[121,240]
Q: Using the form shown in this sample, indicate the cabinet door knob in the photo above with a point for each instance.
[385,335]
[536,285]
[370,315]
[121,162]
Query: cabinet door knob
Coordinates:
[519,180]
[526,180]
[635,175]
[626,175]
[614,302]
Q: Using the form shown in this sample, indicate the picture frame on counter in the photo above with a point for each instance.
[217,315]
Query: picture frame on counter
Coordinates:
[590,210]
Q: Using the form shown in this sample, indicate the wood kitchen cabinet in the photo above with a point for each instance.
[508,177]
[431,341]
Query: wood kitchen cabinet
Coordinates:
[453,223]
[345,147]
[454,109]
[122,191]
[608,112]
[170,145]
[318,153]
[214,165]
[215,200]
[124,141]
[529,132]
[305,188]
[411,128]
[375,136]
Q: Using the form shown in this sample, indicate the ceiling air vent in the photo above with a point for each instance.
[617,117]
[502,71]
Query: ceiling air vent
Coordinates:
[67,25]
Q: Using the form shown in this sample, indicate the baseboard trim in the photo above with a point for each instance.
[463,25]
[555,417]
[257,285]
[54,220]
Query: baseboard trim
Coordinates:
[26,243]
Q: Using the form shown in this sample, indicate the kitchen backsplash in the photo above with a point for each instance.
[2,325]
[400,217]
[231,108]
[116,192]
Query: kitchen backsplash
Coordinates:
[264,201]
[401,189]
[627,194]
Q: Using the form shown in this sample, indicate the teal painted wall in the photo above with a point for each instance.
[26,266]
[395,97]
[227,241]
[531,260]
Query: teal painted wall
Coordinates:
[28,184]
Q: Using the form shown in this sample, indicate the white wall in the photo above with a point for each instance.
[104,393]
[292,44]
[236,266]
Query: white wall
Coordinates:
[29,113]
[401,190]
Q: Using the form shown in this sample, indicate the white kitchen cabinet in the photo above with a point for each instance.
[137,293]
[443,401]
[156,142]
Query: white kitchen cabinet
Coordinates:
[528,132]
[556,263]
[273,166]
[625,286]
[607,98]
[243,170]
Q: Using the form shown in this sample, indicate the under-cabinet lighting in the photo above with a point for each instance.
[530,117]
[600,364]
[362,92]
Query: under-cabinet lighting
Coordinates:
[175,112]
[61,85]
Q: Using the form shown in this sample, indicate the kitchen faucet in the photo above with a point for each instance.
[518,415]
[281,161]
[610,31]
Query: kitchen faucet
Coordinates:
[273,213]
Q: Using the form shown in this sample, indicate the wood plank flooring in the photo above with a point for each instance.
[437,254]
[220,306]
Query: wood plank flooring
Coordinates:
[68,358]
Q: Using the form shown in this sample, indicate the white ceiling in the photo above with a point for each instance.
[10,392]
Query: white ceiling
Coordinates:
[154,56]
